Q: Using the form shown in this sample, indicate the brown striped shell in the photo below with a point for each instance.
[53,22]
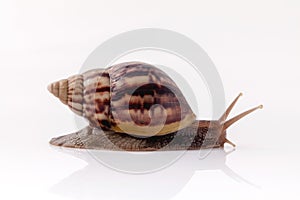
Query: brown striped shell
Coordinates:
[133,97]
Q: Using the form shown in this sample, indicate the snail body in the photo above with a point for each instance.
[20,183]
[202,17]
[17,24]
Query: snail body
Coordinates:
[138,107]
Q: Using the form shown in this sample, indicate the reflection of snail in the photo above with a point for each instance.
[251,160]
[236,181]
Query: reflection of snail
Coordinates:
[140,100]
[101,179]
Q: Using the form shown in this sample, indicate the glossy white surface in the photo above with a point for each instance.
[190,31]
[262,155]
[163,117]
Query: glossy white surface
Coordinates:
[255,46]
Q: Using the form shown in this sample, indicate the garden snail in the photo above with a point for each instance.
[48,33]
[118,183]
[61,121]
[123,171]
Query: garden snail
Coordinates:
[137,107]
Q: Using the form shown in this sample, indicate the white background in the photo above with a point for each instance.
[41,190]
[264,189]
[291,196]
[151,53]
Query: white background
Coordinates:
[255,46]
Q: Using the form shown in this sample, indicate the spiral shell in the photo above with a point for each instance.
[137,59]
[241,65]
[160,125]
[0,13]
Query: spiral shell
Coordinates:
[133,97]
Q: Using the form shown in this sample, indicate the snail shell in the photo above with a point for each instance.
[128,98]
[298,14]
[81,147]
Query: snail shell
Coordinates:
[133,97]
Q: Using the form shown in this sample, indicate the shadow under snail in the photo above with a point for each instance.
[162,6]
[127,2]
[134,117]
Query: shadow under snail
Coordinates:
[135,106]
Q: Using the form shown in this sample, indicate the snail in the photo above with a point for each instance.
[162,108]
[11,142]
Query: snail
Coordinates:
[135,106]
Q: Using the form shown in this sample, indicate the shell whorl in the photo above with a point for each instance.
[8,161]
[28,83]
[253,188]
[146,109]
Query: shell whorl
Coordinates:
[87,95]
[69,92]
[96,98]
[60,90]
[145,101]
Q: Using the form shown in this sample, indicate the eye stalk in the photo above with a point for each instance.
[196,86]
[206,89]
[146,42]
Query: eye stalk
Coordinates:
[226,124]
